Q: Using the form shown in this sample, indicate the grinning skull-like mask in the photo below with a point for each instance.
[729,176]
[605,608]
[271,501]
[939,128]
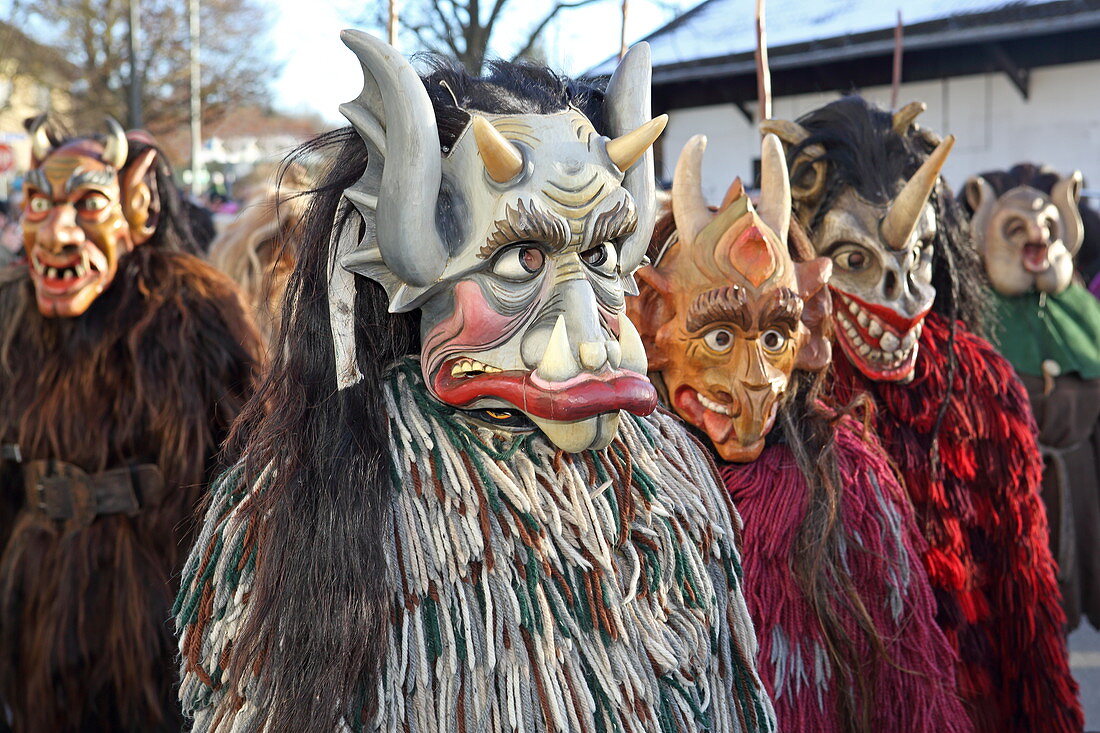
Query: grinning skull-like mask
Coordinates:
[720,310]
[1027,238]
[881,251]
[84,208]
[518,244]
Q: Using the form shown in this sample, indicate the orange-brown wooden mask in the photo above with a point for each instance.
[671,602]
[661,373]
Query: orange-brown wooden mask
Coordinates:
[720,309]
[85,208]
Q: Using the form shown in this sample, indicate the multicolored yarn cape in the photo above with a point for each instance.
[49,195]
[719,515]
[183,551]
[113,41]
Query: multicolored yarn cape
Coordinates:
[912,685]
[534,590]
[980,511]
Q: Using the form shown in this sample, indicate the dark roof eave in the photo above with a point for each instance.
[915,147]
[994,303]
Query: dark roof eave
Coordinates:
[744,63]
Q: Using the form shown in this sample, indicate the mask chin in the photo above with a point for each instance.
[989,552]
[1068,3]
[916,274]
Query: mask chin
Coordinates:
[595,433]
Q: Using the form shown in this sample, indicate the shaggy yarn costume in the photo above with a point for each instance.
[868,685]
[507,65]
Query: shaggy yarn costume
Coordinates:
[536,590]
[980,510]
[915,690]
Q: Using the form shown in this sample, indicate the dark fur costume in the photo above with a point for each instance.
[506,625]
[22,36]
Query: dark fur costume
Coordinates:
[313,511]
[153,372]
[964,440]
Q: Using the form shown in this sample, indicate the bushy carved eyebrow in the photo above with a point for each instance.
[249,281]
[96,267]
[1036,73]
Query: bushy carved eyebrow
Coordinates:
[619,221]
[784,310]
[37,178]
[720,304]
[103,177]
[525,221]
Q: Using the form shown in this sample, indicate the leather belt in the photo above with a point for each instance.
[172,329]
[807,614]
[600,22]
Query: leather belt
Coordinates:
[63,491]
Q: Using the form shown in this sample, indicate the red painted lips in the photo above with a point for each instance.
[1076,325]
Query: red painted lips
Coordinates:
[579,398]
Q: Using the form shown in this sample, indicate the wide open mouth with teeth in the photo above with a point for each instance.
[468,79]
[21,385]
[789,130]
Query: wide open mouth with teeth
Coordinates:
[879,349]
[1035,257]
[65,274]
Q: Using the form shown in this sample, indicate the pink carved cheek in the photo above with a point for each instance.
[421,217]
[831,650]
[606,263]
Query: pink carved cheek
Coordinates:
[473,327]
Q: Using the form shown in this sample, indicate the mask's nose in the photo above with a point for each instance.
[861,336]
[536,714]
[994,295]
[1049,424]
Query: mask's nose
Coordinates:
[59,230]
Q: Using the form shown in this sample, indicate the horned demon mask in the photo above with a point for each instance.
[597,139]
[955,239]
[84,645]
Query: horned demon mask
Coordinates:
[720,309]
[881,251]
[84,208]
[518,244]
[1027,238]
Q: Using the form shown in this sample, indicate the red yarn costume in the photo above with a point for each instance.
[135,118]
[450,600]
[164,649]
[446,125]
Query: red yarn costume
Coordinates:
[987,557]
[913,684]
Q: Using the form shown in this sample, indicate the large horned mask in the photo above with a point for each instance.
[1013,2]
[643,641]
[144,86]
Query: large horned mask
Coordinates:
[518,245]
[881,251]
[720,310]
[84,208]
[1027,238]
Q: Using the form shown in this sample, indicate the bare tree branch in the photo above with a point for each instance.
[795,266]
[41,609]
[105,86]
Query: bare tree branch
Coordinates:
[534,35]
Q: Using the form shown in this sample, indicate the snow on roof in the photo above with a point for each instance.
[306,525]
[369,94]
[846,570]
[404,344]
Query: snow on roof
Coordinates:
[717,28]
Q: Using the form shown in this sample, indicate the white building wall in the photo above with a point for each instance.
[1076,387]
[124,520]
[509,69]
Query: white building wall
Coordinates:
[994,126]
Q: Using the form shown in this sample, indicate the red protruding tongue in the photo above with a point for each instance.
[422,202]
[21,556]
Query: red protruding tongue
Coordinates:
[718,427]
[901,324]
[580,398]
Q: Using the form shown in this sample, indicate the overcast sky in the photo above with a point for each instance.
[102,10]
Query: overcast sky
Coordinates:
[319,72]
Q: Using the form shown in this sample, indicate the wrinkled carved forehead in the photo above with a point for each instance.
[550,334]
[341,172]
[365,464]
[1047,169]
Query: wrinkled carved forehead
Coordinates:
[1025,199]
[567,192]
[854,219]
[74,165]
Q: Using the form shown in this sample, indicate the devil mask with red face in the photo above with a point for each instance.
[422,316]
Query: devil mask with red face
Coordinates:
[721,308]
[518,243]
[877,224]
[85,208]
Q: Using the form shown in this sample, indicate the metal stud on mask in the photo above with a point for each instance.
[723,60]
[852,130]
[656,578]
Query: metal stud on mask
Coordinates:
[518,245]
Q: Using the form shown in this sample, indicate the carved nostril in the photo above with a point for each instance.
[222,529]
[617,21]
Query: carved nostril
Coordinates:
[890,284]
[593,354]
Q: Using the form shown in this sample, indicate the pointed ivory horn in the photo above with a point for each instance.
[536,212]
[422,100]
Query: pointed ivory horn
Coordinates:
[625,150]
[502,159]
[906,208]
[115,148]
[775,187]
[689,207]
[40,141]
[903,118]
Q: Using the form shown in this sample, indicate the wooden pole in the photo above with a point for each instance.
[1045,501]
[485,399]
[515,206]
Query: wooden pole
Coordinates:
[391,25]
[896,83]
[763,73]
[622,33]
[196,101]
[135,117]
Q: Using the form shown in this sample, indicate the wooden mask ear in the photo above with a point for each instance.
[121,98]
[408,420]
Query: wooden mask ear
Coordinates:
[649,310]
[139,197]
[816,351]
[807,171]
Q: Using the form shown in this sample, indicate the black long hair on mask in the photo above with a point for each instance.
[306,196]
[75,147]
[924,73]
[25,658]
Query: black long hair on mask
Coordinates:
[864,153]
[321,601]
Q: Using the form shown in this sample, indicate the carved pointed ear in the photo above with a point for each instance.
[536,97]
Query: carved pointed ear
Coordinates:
[980,197]
[1066,195]
[649,310]
[139,198]
[816,350]
[807,171]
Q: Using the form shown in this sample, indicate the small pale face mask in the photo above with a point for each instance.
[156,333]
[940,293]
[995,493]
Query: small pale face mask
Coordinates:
[1027,238]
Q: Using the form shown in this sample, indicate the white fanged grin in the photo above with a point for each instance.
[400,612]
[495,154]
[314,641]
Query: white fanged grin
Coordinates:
[64,277]
[874,341]
[472,368]
[712,405]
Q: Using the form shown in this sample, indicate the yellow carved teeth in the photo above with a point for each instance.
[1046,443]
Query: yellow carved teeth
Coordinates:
[472,368]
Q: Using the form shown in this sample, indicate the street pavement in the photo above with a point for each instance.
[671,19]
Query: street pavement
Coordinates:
[1084,659]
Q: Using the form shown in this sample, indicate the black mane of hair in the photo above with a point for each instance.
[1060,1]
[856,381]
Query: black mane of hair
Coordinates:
[321,596]
[1038,177]
[864,153]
